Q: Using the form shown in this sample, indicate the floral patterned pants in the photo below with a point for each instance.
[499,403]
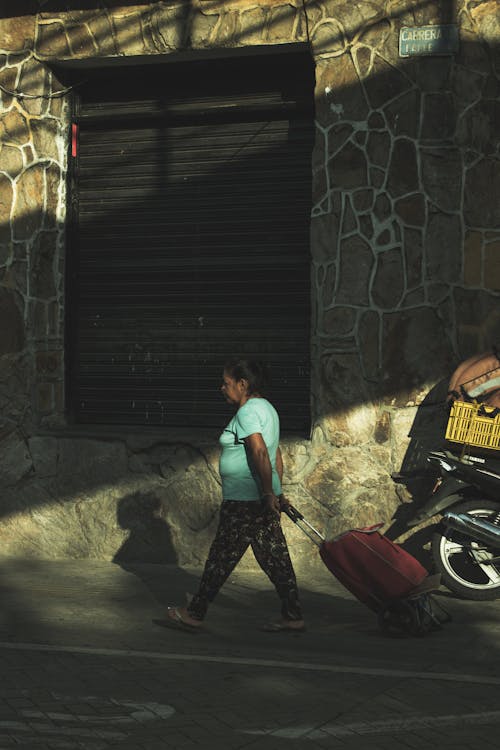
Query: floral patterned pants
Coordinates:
[243,524]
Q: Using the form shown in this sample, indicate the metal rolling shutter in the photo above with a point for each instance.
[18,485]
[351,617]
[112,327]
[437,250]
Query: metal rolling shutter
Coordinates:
[191,244]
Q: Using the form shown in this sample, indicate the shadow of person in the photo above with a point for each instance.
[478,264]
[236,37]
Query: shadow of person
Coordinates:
[149,540]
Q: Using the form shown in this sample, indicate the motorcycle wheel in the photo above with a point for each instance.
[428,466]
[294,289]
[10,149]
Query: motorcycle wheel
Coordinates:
[463,564]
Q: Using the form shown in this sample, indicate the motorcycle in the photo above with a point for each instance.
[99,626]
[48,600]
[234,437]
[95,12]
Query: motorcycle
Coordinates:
[466,542]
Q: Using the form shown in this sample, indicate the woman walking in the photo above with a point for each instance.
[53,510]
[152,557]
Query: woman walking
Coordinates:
[251,470]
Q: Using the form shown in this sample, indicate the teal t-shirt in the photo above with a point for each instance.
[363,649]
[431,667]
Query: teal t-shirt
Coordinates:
[238,482]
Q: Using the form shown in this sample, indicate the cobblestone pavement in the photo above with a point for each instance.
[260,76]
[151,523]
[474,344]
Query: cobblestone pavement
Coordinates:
[82,665]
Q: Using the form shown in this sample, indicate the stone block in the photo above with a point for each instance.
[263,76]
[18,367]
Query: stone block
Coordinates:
[51,40]
[443,244]
[281,23]
[89,464]
[383,431]
[413,249]
[388,285]
[5,254]
[380,36]
[49,363]
[44,454]
[12,333]
[354,497]
[42,269]
[81,40]
[319,185]
[6,197]
[15,379]
[377,177]
[383,82]
[102,32]
[434,73]
[339,321]
[402,176]
[356,263]
[45,398]
[473,258]
[324,236]
[59,401]
[34,82]
[17,32]
[437,293]
[411,209]
[492,266]
[348,168]
[369,343]
[414,298]
[15,276]
[383,239]
[8,81]
[168,26]
[439,120]
[14,128]
[326,280]
[339,94]
[478,127]
[37,324]
[482,186]
[382,209]
[201,28]
[403,115]
[53,182]
[349,219]
[328,37]
[401,425]
[442,173]
[128,31]
[363,200]
[190,507]
[11,160]
[486,20]
[343,385]
[378,148]
[45,138]
[28,208]
[15,460]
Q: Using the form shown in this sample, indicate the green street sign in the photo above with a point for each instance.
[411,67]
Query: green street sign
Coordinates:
[439,39]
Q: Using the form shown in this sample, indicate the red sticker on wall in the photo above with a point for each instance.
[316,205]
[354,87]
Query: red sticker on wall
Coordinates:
[74,139]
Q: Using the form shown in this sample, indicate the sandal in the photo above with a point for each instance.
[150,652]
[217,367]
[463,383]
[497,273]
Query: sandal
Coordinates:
[175,619]
[284,626]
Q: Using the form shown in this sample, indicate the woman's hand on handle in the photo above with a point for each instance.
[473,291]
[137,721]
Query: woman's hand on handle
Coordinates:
[272,503]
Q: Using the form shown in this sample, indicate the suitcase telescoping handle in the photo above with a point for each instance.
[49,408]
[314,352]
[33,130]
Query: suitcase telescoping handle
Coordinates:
[304,525]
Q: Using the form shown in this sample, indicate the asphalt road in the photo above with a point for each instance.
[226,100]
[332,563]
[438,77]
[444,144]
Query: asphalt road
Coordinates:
[83,665]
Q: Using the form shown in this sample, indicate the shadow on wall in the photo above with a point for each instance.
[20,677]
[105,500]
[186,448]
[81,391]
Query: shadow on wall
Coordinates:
[149,539]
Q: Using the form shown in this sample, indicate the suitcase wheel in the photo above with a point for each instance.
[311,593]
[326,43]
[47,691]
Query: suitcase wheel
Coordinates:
[414,616]
[398,619]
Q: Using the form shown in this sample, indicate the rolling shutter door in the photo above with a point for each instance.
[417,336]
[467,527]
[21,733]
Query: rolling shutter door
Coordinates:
[191,238]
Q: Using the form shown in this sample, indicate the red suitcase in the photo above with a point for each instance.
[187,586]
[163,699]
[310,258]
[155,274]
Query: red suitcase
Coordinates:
[372,567]
[380,574]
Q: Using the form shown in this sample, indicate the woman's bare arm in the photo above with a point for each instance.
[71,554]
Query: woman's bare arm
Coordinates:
[259,457]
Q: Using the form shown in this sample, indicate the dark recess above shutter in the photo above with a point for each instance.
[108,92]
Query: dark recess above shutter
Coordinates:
[191,196]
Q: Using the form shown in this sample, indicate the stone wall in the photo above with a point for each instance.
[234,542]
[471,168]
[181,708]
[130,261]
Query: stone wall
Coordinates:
[405,244]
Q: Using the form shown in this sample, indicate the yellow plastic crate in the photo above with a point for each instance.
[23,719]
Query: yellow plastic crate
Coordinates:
[468,427]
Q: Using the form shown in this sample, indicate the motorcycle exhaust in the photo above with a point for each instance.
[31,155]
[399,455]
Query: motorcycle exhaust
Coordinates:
[477,529]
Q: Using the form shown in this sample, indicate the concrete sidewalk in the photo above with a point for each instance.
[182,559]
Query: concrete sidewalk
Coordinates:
[84,666]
